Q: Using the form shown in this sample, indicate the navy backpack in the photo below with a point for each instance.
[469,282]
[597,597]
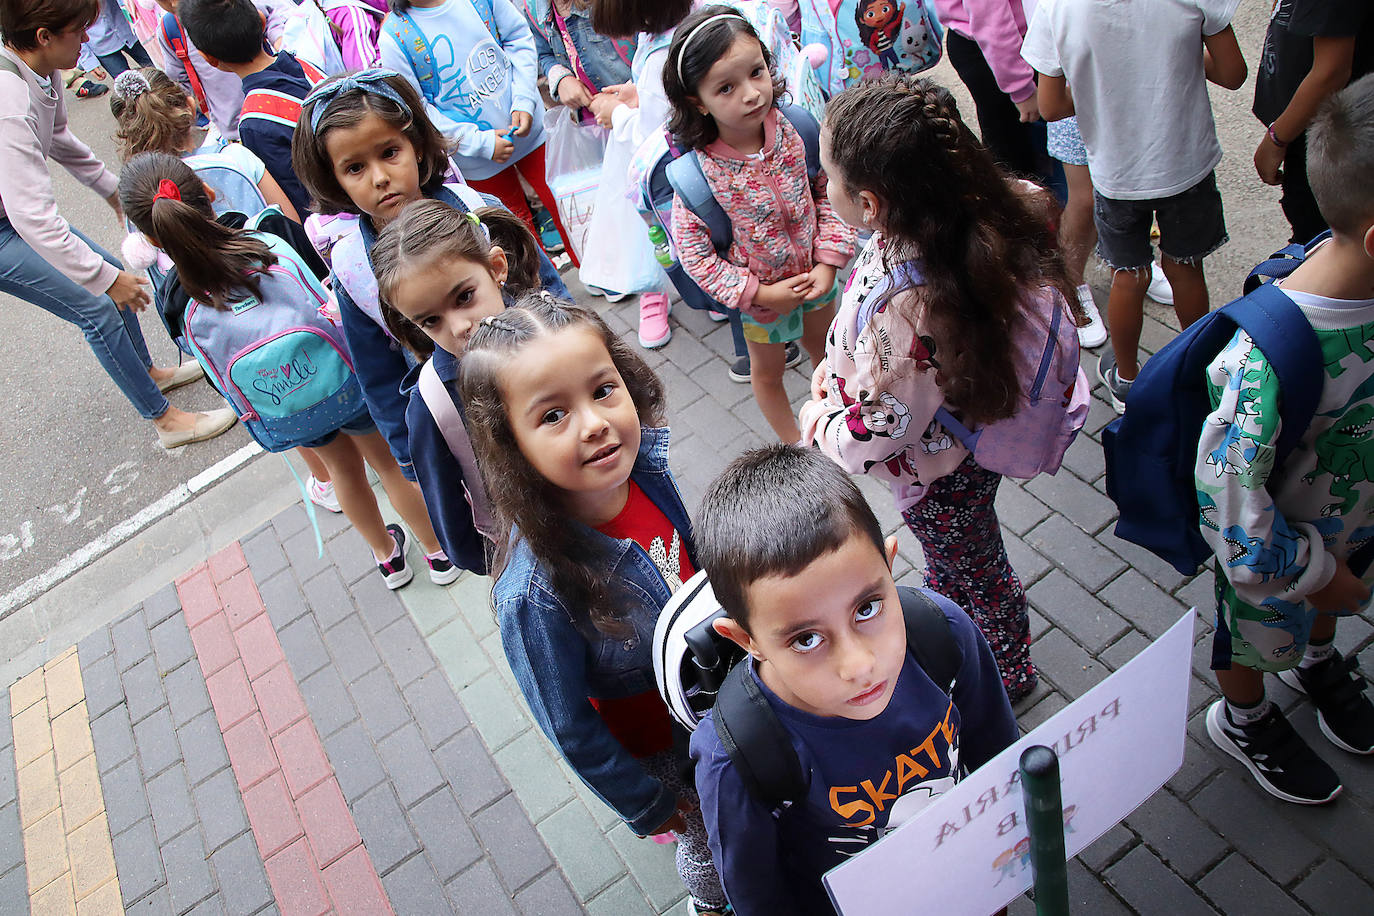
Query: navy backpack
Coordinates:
[1151,450]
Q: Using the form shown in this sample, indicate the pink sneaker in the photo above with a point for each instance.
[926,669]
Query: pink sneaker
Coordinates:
[653,321]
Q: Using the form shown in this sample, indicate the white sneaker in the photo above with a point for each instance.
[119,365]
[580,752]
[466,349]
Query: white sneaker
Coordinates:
[1160,290]
[322,494]
[1094,333]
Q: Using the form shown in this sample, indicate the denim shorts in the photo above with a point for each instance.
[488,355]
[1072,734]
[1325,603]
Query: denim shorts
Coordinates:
[360,425]
[1191,226]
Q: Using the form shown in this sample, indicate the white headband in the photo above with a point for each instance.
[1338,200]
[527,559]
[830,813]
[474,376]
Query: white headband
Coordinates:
[682,52]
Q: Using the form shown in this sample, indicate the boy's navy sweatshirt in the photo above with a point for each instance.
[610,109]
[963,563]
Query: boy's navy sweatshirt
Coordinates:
[438,472]
[270,140]
[914,750]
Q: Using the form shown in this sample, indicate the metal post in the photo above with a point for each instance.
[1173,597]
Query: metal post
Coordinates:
[1045,820]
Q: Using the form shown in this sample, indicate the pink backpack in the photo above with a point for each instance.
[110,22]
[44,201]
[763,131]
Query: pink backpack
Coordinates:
[1033,440]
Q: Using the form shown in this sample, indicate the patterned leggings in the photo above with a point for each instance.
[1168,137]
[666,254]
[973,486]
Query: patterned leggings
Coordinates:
[694,863]
[966,562]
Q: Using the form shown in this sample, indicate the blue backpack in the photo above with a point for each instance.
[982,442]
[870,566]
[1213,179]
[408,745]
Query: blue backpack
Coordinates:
[1151,450]
[279,362]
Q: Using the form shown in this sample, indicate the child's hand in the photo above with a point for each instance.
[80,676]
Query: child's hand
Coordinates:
[816,282]
[602,104]
[1029,109]
[502,149]
[1269,161]
[1345,593]
[520,123]
[625,93]
[818,382]
[781,297]
[573,94]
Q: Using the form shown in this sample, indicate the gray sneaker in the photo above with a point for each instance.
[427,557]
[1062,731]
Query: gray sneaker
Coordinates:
[1118,389]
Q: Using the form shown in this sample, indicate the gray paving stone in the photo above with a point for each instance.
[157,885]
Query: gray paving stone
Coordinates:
[718,428]
[242,879]
[624,898]
[187,696]
[1028,564]
[1142,561]
[143,689]
[330,706]
[210,906]
[409,764]
[351,555]
[528,765]
[1018,510]
[220,806]
[1246,821]
[444,833]
[158,903]
[169,799]
[505,826]
[113,738]
[11,838]
[379,703]
[1333,888]
[380,605]
[8,787]
[1073,609]
[327,597]
[1078,554]
[264,554]
[1236,887]
[282,598]
[352,649]
[14,885]
[1200,592]
[104,690]
[548,895]
[304,649]
[478,890]
[469,770]
[95,645]
[1085,459]
[1144,604]
[172,643]
[157,743]
[1076,500]
[1148,886]
[1200,763]
[435,707]
[494,710]
[583,853]
[1124,649]
[653,866]
[1065,663]
[1107,848]
[126,802]
[138,862]
[1177,835]
[384,829]
[1039,714]
[161,604]
[679,387]
[130,637]
[1087,894]
[413,888]
[303,554]
[289,521]
[404,651]
[202,747]
[355,761]
[188,871]
[1100,414]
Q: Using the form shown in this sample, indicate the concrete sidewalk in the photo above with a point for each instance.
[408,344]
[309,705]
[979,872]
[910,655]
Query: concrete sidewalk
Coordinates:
[244,726]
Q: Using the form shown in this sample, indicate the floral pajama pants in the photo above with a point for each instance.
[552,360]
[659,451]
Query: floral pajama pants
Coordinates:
[966,562]
[694,863]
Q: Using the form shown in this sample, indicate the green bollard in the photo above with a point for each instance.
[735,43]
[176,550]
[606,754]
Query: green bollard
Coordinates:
[1045,820]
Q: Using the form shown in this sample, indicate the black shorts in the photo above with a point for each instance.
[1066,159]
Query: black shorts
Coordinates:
[1191,226]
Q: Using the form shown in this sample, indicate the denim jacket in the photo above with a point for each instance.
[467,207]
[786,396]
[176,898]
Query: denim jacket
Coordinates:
[606,60]
[559,661]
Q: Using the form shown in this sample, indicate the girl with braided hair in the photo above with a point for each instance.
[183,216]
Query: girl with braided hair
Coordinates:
[959,255]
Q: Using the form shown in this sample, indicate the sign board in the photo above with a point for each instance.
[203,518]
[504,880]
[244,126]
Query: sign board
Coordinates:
[968,851]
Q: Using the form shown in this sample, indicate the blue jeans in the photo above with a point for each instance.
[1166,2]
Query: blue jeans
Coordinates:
[114,334]
[115,64]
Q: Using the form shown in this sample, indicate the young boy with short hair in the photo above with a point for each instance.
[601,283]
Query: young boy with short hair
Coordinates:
[797,560]
[1293,548]
[230,36]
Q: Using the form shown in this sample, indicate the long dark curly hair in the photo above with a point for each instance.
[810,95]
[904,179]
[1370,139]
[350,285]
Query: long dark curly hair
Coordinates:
[521,497]
[984,247]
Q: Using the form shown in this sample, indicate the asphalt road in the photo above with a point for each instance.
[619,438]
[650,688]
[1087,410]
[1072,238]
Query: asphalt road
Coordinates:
[77,459]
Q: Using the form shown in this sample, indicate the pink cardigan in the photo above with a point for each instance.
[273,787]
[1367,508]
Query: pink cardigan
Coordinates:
[783,223]
[33,127]
[998,27]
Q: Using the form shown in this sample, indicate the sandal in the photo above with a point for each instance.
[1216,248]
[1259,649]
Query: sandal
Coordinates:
[91,90]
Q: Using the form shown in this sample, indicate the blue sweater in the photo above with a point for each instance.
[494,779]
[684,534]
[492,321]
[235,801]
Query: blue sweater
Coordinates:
[914,750]
[271,140]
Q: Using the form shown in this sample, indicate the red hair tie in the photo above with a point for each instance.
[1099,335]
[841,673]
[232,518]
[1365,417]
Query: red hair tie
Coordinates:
[166,188]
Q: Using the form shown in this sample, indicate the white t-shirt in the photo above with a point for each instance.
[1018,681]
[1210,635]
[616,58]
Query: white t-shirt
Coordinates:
[1135,69]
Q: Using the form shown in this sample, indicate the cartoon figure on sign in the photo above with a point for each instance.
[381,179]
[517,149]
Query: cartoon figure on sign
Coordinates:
[878,22]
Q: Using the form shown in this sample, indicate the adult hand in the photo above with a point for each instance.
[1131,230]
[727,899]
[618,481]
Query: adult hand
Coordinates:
[1344,594]
[521,122]
[1030,109]
[573,93]
[601,105]
[627,93]
[129,292]
[502,150]
[113,201]
[1269,161]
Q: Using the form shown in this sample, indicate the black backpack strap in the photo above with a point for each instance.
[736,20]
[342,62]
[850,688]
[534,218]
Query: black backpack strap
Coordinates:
[928,637]
[759,747]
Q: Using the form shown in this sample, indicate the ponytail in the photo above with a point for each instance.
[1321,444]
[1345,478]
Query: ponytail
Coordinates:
[167,202]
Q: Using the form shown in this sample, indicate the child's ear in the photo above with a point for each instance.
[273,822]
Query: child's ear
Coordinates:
[873,208]
[731,630]
[500,264]
[696,103]
[214,62]
[1369,241]
[890,551]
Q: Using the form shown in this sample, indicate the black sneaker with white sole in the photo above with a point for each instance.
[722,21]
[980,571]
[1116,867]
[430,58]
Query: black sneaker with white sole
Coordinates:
[442,571]
[1275,755]
[1344,713]
[395,571]
[739,369]
[1116,388]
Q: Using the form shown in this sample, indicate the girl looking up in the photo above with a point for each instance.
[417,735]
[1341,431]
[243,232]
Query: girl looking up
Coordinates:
[779,270]
[592,540]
